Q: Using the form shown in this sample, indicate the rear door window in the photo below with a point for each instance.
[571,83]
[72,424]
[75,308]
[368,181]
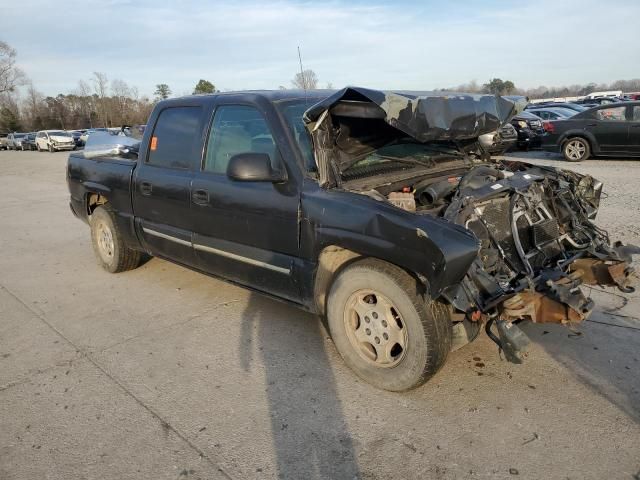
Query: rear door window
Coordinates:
[613,114]
[175,136]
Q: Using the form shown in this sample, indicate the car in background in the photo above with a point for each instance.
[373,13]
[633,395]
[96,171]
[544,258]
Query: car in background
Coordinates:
[3,142]
[14,141]
[77,137]
[88,132]
[54,140]
[498,142]
[29,141]
[529,129]
[568,105]
[598,101]
[607,130]
[552,113]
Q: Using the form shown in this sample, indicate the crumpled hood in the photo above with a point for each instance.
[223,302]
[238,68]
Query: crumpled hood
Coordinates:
[355,121]
[61,138]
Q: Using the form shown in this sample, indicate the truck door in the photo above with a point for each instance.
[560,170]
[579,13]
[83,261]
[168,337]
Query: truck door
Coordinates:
[162,182]
[245,231]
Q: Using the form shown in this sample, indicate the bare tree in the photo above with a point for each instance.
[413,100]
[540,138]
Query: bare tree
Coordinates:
[32,108]
[307,80]
[10,75]
[121,95]
[101,86]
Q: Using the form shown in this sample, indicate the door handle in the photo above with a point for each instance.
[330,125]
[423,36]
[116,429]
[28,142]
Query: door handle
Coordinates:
[146,188]
[637,125]
[200,197]
[592,124]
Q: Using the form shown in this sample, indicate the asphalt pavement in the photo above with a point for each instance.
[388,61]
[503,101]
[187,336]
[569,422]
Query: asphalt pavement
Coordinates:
[165,373]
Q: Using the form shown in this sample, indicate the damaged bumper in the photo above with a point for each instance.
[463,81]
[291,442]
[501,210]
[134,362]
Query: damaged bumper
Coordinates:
[539,246]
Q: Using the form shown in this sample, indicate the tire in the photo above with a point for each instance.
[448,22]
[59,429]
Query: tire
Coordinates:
[51,148]
[576,149]
[423,325]
[111,252]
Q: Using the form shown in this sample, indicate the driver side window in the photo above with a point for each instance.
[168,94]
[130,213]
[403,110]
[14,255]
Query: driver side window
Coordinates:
[237,129]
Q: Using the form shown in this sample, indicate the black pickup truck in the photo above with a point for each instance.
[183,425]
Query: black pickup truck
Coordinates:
[377,210]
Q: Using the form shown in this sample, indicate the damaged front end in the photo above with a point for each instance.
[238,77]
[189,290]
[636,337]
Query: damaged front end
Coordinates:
[534,224]
[538,247]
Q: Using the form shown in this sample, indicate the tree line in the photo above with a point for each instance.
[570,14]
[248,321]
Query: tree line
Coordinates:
[507,87]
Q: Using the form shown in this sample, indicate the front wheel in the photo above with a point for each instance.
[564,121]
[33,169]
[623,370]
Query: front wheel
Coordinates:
[110,250]
[51,148]
[576,149]
[388,332]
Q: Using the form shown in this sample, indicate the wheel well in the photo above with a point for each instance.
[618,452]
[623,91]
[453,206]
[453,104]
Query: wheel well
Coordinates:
[331,261]
[94,200]
[578,135]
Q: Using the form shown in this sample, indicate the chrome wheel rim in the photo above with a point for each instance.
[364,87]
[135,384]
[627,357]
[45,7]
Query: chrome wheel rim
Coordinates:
[375,328]
[575,150]
[104,239]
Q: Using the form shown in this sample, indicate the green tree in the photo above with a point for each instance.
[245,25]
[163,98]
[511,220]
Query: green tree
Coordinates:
[9,121]
[204,86]
[499,87]
[162,91]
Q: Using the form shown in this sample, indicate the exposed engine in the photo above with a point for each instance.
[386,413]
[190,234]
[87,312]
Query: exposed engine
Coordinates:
[538,243]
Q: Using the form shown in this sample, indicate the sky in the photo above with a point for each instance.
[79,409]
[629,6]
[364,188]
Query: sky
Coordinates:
[252,44]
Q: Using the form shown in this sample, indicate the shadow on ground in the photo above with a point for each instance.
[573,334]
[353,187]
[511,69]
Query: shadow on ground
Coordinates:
[603,356]
[310,435]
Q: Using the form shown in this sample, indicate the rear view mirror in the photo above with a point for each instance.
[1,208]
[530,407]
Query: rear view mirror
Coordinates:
[253,167]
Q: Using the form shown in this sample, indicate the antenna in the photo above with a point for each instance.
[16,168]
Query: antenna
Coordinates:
[304,80]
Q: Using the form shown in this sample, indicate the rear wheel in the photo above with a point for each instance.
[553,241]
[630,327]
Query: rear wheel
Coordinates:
[389,332]
[576,149]
[111,252]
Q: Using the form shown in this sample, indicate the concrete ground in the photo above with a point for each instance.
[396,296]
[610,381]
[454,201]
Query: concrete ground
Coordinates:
[163,373]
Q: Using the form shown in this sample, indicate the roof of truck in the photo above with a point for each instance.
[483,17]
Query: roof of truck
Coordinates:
[275,95]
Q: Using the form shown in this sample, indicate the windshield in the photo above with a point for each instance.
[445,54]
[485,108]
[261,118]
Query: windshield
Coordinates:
[406,152]
[58,133]
[292,112]
[19,135]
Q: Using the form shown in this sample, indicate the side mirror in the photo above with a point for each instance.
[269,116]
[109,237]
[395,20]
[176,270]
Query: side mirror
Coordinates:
[253,167]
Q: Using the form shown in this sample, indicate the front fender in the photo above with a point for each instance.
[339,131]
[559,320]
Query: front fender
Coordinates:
[439,250]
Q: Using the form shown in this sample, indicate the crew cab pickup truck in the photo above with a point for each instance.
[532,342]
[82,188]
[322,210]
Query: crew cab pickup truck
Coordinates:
[377,210]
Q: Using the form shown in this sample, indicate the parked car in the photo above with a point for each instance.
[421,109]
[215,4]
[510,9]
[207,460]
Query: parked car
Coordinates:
[54,140]
[29,141]
[552,113]
[567,105]
[499,141]
[609,130]
[76,135]
[356,209]
[85,135]
[14,141]
[529,129]
[3,142]
[598,101]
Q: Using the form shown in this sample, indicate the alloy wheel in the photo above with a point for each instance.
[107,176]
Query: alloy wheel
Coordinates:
[375,328]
